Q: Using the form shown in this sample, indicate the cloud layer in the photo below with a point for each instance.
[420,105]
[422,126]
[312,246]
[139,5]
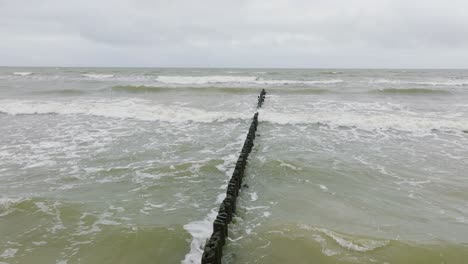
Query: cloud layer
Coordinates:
[243,33]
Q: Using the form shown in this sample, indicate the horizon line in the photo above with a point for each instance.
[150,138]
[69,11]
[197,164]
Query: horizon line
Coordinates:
[280,68]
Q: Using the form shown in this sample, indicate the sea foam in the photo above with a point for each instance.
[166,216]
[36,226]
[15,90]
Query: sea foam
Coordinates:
[226,79]
[98,76]
[370,122]
[441,82]
[22,73]
[119,108]
[7,202]
[365,116]
[298,82]
[200,231]
[204,79]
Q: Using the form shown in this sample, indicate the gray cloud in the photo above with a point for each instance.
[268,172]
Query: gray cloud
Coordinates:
[255,33]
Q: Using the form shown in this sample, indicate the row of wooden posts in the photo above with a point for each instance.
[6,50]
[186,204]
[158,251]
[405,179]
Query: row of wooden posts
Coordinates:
[261,98]
[213,251]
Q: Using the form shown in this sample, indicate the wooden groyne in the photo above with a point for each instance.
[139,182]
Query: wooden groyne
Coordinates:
[213,251]
[261,98]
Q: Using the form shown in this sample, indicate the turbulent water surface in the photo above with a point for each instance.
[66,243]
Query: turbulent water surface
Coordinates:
[129,165]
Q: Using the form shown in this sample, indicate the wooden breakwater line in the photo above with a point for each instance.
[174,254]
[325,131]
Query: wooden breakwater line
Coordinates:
[213,251]
[261,98]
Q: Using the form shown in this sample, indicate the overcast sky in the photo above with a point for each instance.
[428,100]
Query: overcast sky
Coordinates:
[235,33]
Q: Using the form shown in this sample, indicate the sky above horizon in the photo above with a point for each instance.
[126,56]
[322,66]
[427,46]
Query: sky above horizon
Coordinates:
[243,33]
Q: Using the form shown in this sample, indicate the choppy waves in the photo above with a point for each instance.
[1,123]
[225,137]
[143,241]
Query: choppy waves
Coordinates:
[331,81]
[65,92]
[215,89]
[22,73]
[118,108]
[157,89]
[197,80]
[369,122]
[346,241]
[143,89]
[178,80]
[59,229]
[442,82]
[98,76]
[312,244]
[333,114]
[278,90]
[204,79]
[413,91]
[366,116]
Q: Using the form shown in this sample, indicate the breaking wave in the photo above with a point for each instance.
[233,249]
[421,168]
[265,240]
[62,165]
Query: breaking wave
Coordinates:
[288,82]
[331,72]
[185,80]
[119,108]
[369,122]
[447,82]
[157,89]
[234,90]
[22,73]
[366,116]
[204,79]
[97,76]
[220,79]
[411,91]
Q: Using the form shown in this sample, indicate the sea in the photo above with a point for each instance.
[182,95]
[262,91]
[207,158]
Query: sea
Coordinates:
[129,165]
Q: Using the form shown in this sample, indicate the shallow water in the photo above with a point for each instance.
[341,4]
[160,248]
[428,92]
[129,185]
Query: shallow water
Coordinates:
[129,165]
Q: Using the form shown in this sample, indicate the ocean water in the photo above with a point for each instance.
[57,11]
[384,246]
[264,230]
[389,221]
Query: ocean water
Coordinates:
[116,165]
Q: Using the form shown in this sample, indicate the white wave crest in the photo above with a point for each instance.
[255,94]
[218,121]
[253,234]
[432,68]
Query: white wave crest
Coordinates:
[22,73]
[119,108]
[7,202]
[366,116]
[98,76]
[7,205]
[445,82]
[223,79]
[204,79]
[286,82]
[368,121]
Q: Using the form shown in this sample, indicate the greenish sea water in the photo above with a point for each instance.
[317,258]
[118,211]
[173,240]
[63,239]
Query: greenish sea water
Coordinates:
[115,165]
